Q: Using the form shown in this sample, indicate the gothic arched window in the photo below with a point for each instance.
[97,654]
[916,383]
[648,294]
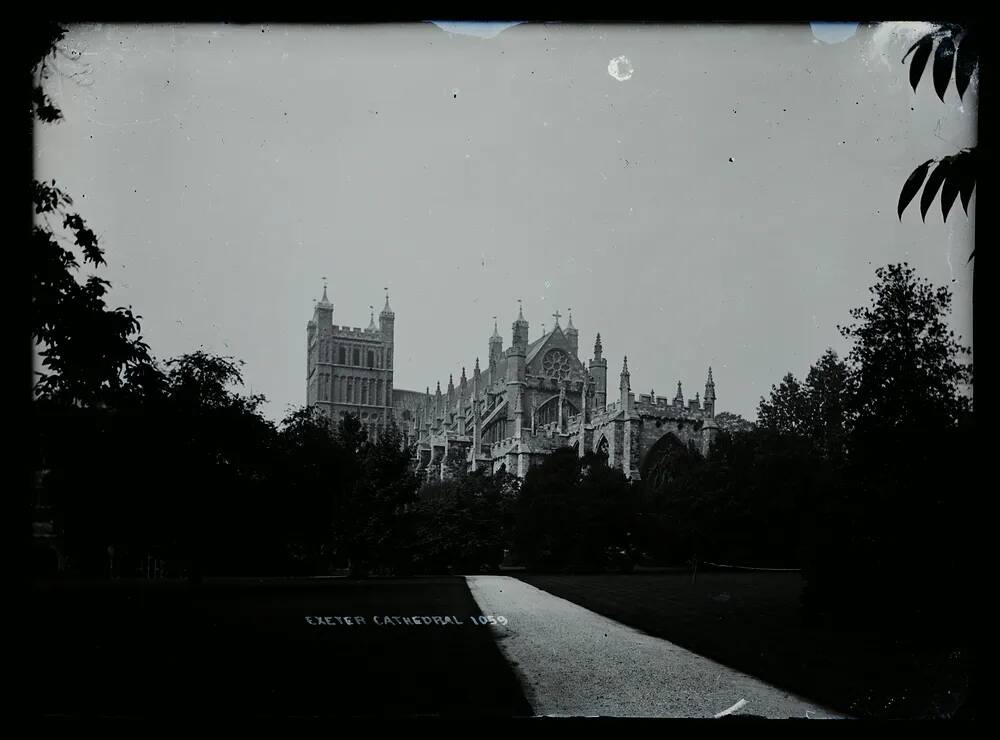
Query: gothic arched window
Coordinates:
[343,355]
[357,357]
[602,447]
[371,359]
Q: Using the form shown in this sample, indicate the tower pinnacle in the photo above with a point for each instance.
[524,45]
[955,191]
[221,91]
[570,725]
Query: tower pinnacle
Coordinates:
[324,301]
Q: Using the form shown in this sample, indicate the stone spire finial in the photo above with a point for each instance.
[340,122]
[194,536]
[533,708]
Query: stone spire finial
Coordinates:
[371,322]
[520,313]
[680,395]
[597,347]
[386,310]
[570,324]
[463,378]
[324,301]
[710,386]
[496,334]
[477,365]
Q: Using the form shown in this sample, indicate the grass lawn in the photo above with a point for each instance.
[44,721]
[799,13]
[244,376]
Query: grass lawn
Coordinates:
[243,647]
[751,622]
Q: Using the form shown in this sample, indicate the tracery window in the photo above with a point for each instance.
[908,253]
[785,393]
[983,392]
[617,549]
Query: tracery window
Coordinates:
[556,364]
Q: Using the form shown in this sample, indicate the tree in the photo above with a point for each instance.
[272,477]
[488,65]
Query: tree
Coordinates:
[375,488]
[828,390]
[906,361]
[573,513]
[743,504]
[891,540]
[463,524]
[43,49]
[92,355]
[816,409]
[733,423]
[308,465]
[787,410]
[89,349]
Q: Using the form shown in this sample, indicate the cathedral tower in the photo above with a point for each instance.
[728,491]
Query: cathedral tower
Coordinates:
[350,369]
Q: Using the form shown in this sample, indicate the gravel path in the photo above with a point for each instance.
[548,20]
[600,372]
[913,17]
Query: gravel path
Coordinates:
[574,662]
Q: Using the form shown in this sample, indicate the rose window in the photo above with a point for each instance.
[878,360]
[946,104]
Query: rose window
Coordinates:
[556,364]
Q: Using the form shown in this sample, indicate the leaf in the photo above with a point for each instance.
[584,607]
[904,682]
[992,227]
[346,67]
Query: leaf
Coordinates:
[912,186]
[952,184]
[931,188]
[965,62]
[968,183]
[943,61]
[920,57]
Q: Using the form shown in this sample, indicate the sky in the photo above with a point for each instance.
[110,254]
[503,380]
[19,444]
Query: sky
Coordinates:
[700,195]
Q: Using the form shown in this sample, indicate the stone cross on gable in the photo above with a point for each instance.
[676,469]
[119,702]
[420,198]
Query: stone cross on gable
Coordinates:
[556,316]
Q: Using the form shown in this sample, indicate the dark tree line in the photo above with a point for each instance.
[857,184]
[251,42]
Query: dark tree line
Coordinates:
[858,474]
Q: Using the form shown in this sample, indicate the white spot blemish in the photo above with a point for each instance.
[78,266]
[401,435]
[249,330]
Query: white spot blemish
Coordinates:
[620,68]
[833,33]
[483,30]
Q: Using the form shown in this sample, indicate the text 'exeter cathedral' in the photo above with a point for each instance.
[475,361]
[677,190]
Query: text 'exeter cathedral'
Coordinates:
[530,399]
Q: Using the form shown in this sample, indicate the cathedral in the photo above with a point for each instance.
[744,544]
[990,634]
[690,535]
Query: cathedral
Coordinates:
[530,399]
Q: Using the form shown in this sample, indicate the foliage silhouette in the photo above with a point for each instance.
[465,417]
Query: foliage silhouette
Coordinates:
[463,524]
[574,514]
[957,50]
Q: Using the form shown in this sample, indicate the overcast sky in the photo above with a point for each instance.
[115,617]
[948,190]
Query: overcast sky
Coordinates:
[720,196]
